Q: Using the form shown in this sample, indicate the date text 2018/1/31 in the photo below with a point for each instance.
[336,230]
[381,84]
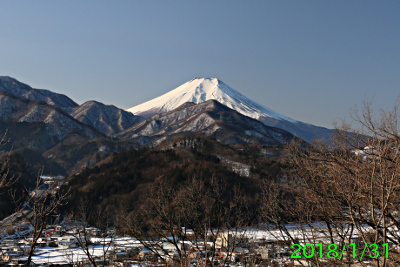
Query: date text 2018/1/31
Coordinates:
[333,253]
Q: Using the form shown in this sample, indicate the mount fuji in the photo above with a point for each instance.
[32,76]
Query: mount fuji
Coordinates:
[200,90]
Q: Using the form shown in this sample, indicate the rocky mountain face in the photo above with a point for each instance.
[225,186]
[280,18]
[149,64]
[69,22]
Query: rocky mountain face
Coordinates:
[39,127]
[107,119]
[209,118]
[35,127]
[57,123]
[24,91]
[199,90]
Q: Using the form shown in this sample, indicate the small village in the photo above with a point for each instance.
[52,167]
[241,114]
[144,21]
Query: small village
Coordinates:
[67,245]
[76,244]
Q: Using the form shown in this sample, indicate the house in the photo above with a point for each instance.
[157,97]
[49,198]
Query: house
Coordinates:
[264,253]
[145,253]
[12,257]
[225,240]
[67,242]
[235,255]
[171,247]
[120,255]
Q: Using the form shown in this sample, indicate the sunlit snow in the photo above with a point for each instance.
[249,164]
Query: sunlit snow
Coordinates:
[199,90]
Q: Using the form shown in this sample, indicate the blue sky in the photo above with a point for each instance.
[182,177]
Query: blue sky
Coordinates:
[309,60]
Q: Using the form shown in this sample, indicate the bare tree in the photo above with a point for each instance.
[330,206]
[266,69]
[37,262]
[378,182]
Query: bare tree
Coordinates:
[194,215]
[344,190]
[40,204]
[84,236]
[5,180]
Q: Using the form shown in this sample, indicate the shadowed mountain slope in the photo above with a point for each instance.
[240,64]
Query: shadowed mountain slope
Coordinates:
[209,118]
[21,90]
[107,119]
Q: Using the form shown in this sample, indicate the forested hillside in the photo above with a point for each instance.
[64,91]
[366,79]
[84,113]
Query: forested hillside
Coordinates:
[23,179]
[125,181]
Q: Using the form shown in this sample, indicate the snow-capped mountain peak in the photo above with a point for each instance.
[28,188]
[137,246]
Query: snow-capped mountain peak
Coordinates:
[199,90]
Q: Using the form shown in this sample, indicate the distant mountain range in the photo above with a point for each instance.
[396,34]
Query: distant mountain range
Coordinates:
[24,91]
[105,119]
[58,130]
[50,129]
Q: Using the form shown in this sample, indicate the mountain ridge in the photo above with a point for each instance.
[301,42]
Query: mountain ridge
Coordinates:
[199,90]
[210,118]
[57,121]
[107,119]
[24,91]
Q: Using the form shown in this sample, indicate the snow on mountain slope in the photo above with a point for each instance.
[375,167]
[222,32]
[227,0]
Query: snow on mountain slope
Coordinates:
[21,90]
[57,122]
[210,118]
[107,119]
[200,90]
